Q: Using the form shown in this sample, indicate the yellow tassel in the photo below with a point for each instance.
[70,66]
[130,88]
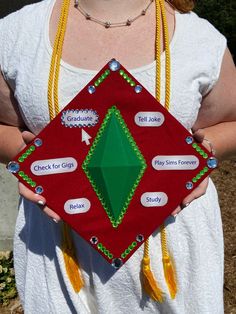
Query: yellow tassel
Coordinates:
[170,275]
[168,265]
[149,283]
[70,260]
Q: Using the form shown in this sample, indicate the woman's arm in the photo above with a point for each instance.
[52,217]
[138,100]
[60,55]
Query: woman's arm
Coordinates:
[10,124]
[12,140]
[217,116]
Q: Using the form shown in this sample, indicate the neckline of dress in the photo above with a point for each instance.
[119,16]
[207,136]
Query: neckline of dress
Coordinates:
[75,69]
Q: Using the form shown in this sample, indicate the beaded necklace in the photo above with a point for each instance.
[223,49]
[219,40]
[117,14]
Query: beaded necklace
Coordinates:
[109,24]
[71,264]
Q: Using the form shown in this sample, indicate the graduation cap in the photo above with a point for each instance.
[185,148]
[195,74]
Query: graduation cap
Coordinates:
[113,164]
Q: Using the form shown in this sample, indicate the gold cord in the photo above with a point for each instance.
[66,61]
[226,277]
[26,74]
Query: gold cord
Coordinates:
[68,249]
[150,287]
[71,263]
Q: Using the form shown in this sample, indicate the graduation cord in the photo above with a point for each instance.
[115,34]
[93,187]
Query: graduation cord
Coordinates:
[68,249]
[149,283]
[71,263]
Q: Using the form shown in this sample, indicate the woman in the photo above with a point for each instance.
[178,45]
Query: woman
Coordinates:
[202,99]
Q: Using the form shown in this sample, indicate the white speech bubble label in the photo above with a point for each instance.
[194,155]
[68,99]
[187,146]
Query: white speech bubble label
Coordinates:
[151,119]
[179,162]
[154,199]
[77,206]
[79,118]
[53,166]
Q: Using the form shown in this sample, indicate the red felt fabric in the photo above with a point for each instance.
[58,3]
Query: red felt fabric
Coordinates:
[60,141]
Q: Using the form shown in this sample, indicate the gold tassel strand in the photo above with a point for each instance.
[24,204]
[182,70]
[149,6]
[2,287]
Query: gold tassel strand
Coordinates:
[167,55]
[167,260]
[168,265]
[149,282]
[70,259]
[68,249]
[158,51]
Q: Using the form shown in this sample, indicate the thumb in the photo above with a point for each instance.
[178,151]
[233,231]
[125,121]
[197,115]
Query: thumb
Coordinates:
[199,135]
[27,137]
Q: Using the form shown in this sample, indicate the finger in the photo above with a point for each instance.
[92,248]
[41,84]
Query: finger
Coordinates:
[31,196]
[197,192]
[199,135]
[27,136]
[39,199]
[176,211]
[50,213]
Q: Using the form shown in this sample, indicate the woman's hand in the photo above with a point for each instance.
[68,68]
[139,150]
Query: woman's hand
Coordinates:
[202,187]
[31,196]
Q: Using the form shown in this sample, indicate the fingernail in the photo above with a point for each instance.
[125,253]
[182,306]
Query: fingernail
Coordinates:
[175,215]
[184,205]
[56,221]
[40,202]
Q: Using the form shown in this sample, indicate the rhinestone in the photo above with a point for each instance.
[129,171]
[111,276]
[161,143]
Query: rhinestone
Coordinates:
[39,189]
[114,65]
[212,162]
[140,238]
[117,263]
[91,89]
[132,83]
[189,140]
[143,12]
[38,142]
[138,89]
[13,167]
[87,16]
[189,185]
[94,240]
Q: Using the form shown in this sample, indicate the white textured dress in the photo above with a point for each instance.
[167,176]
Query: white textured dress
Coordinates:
[195,237]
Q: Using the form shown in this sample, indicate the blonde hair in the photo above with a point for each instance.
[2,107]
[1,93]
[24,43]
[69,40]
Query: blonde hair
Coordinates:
[183,6]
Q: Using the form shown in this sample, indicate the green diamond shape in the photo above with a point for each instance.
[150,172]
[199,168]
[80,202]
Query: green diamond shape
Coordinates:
[114,166]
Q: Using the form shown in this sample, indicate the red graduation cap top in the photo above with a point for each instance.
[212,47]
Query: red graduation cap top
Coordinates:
[113,164]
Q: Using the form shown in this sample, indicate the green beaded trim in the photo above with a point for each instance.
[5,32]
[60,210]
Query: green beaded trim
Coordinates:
[129,249]
[114,110]
[200,174]
[102,78]
[127,78]
[27,153]
[27,179]
[104,250]
[200,151]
